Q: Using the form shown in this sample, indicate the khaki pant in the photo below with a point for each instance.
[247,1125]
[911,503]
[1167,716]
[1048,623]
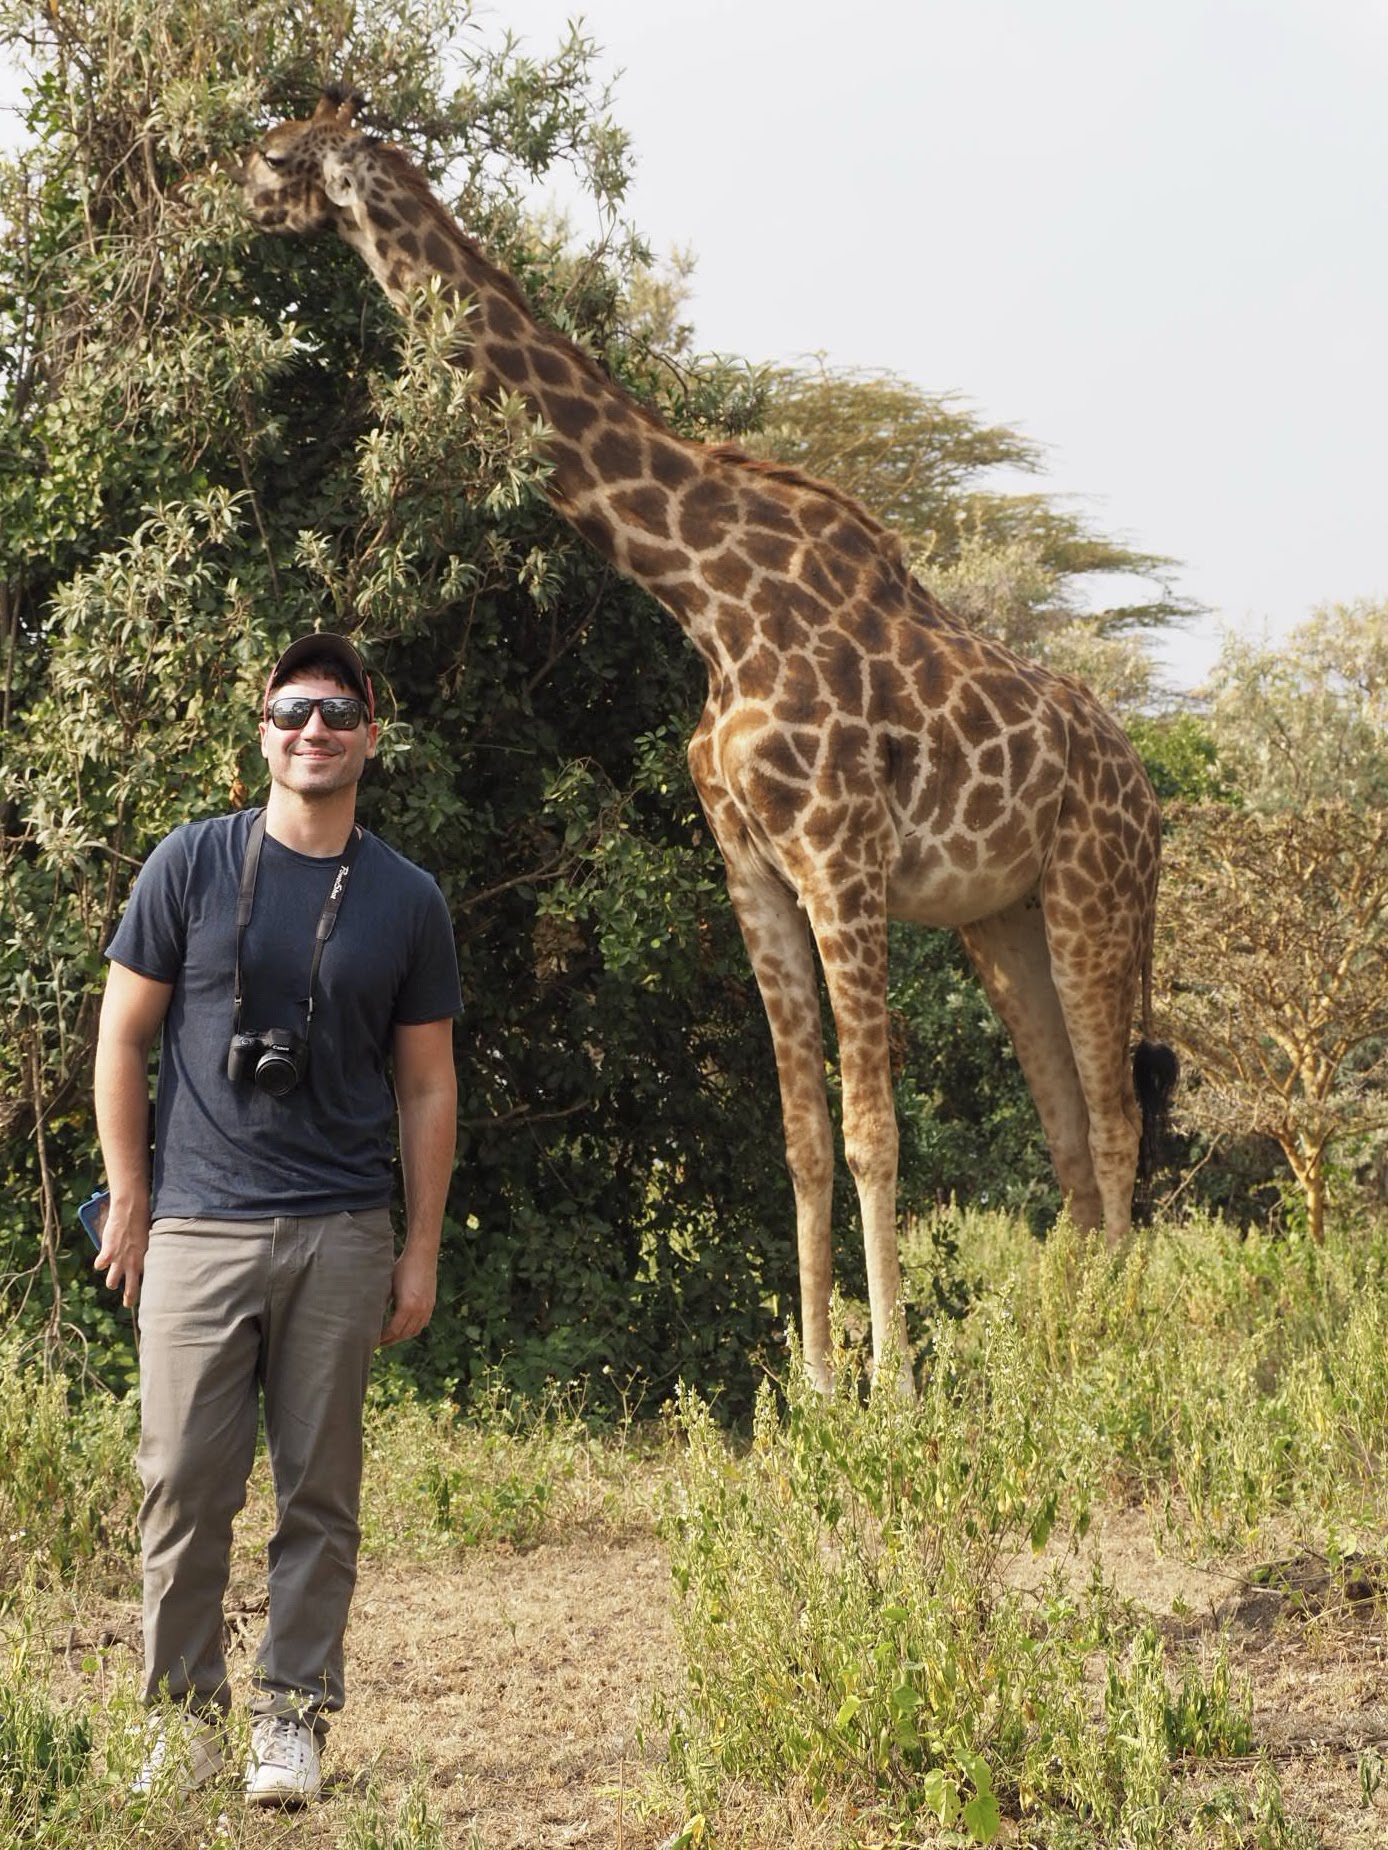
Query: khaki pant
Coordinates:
[233,1312]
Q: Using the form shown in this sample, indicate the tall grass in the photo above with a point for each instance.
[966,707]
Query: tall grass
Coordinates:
[505,1470]
[1226,1380]
[849,1624]
[846,1625]
[68,1489]
[846,1617]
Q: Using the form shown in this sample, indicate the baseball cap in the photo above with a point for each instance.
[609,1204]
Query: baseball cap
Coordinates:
[324,645]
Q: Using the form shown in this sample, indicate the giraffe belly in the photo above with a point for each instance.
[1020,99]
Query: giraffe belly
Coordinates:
[928,888]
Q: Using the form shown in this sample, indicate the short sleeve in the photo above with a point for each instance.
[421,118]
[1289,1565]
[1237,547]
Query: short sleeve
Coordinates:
[431,989]
[152,935]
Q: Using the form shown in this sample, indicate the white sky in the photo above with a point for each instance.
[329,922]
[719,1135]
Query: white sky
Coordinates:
[1149,235]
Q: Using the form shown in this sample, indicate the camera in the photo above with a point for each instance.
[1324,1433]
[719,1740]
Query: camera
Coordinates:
[275,1059]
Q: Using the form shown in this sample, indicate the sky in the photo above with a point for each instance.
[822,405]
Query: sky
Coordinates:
[1149,236]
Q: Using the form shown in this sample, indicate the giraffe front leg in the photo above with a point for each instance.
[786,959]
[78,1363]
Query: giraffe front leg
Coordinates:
[778,945]
[854,958]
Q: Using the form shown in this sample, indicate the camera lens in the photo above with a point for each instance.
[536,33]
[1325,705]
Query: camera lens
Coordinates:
[276,1073]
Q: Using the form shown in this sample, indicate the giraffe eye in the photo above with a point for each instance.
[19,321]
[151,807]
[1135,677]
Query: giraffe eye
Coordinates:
[273,160]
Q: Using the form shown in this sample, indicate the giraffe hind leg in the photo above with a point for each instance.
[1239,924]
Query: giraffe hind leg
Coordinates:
[1098,1007]
[1012,958]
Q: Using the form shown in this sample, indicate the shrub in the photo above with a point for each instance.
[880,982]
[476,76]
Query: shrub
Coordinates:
[68,1489]
[847,1627]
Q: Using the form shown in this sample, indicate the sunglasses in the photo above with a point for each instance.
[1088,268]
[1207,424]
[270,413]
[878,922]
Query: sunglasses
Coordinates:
[341,712]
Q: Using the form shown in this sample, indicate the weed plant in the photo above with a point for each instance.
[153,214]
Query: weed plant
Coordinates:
[1225,1379]
[507,1470]
[44,1751]
[372,1824]
[68,1489]
[845,1624]
[66,1769]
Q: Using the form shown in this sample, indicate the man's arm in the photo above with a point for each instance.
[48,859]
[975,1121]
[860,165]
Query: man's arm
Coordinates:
[426,1094]
[132,1010]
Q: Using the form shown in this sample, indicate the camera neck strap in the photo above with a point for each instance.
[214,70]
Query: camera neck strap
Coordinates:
[327,918]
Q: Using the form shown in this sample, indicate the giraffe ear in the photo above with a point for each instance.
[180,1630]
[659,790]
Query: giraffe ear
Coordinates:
[338,105]
[339,182]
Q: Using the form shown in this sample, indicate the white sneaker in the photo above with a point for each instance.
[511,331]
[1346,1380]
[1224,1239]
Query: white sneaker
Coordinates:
[283,1768]
[184,1754]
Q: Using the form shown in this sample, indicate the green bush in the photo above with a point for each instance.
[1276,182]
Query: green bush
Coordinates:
[68,1490]
[847,1627]
[44,1753]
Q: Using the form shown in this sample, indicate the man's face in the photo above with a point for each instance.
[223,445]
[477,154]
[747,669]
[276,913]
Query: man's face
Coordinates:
[312,760]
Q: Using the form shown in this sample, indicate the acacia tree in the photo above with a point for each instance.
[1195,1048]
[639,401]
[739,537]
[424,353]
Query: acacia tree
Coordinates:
[1273,942]
[1018,566]
[1307,721]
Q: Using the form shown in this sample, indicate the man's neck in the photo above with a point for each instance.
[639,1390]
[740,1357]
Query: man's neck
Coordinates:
[319,827]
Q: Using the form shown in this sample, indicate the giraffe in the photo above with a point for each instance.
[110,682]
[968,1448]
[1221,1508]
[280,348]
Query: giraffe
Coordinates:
[861,755]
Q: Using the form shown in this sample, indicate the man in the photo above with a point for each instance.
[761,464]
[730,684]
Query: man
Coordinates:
[286,955]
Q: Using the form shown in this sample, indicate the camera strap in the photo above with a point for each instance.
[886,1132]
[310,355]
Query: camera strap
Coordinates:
[245,901]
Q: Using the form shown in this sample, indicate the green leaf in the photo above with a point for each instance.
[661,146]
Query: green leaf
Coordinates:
[940,1794]
[982,1818]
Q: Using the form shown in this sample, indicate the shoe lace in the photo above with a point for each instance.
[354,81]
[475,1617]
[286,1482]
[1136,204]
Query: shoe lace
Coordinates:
[282,1741]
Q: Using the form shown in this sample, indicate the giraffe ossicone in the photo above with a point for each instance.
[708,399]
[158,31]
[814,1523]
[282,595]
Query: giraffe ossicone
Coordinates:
[862,755]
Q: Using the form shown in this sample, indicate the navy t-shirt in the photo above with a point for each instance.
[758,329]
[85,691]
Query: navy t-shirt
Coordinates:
[225,1150]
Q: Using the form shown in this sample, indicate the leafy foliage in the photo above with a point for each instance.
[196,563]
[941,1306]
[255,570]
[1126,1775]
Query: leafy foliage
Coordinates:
[1275,937]
[1307,721]
[1181,756]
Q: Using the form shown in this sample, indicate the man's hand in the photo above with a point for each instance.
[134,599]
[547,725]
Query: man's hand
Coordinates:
[132,1010]
[413,1288]
[426,1093]
[124,1243]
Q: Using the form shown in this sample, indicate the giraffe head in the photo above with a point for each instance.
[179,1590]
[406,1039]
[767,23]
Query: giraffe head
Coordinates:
[291,180]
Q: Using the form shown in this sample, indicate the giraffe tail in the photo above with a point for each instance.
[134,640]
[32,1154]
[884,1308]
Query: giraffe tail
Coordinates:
[1155,1072]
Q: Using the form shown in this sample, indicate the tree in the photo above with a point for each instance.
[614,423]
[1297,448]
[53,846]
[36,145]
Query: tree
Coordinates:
[1017,566]
[1181,756]
[1307,721]
[194,465]
[1273,942]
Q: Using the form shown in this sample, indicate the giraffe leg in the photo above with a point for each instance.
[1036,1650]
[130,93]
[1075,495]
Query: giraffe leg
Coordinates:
[854,958]
[1013,961]
[1096,978]
[777,937]
[1099,1018]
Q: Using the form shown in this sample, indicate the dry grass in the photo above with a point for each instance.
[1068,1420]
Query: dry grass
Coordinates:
[518,1686]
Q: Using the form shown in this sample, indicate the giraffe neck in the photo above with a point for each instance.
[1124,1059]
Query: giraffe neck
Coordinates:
[618,475]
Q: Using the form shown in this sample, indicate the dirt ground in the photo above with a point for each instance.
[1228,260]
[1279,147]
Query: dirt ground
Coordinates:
[518,1687]
[1309,1635]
